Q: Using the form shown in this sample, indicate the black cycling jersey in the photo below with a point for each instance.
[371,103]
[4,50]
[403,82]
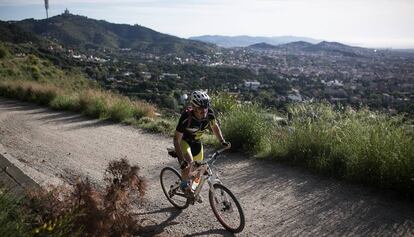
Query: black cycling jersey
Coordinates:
[194,131]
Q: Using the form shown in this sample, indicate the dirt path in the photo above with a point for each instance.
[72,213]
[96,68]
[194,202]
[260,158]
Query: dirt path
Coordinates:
[278,201]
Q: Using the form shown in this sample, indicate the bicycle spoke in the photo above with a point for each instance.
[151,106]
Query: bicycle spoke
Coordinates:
[227,209]
[170,180]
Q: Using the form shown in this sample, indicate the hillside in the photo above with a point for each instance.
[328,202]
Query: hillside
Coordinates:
[21,62]
[324,47]
[83,32]
[10,32]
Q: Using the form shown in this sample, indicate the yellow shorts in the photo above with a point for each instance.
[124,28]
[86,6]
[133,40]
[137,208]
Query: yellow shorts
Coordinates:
[196,149]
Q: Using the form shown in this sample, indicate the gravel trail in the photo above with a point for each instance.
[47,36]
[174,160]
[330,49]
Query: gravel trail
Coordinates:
[278,200]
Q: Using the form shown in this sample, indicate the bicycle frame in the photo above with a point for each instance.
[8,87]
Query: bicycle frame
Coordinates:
[222,201]
[211,177]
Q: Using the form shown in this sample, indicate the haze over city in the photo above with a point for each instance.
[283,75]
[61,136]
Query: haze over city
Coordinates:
[366,23]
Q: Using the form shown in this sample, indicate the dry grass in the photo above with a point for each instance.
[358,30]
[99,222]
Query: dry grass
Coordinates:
[84,210]
[91,102]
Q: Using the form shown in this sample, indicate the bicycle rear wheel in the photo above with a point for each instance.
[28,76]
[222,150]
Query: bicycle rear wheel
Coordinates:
[170,183]
[226,208]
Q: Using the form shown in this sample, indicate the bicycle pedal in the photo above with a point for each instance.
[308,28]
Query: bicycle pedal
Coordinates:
[199,199]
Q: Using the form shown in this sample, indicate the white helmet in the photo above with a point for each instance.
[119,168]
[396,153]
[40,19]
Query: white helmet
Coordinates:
[200,99]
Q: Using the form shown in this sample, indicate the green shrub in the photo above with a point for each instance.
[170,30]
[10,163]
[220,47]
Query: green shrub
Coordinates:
[6,90]
[3,52]
[143,109]
[32,59]
[65,102]
[44,95]
[93,104]
[121,110]
[224,103]
[145,120]
[12,221]
[169,102]
[164,126]
[35,71]
[96,108]
[246,128]
[361,146]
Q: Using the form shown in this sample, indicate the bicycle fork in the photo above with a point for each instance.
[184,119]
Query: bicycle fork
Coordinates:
[223,199]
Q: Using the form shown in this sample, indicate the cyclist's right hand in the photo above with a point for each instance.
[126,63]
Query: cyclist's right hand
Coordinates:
[226,144]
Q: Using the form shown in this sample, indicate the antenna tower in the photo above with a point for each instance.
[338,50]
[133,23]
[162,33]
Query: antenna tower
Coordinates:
[47,8]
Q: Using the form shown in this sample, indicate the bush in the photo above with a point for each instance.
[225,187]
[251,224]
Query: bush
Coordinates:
[12,221]
[52,213]
[32,60]
[169,102]
[224,103]
[45,94]
[362,146]
[143,109]
[93,104]
[35,71]
[164,126]
[246,128]
[121,110]
[65,102]
[29,91]
[82,210]
[3,52]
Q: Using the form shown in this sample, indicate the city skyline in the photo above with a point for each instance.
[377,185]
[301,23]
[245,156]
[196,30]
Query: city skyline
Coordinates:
[366,23]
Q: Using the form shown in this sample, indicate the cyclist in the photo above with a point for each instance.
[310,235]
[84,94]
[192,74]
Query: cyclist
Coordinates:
[191,126]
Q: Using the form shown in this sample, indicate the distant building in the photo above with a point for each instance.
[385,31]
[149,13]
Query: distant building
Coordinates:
[66,12]
[295,95]
[127,74]
[335,83]
[146,75]
[169,75]
[252,85]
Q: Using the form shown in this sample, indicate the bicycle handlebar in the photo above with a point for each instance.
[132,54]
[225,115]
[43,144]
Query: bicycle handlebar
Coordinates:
[214,156]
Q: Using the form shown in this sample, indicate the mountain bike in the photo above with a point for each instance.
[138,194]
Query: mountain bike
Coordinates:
[224,204]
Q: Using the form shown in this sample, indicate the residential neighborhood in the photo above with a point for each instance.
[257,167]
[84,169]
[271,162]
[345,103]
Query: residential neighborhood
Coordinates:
[348,75]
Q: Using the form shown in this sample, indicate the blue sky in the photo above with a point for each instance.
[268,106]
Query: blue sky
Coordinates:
[369,23]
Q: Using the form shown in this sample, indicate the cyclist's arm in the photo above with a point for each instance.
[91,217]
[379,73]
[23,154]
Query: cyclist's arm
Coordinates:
[217,132]
[178,137]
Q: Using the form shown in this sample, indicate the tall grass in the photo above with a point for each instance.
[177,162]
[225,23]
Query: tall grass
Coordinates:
[66,102]
[247,128]
[29,91]
[165,126]
[224,103]
[99,104]
[91,102]
[12,222]
[362,146]
[94,104]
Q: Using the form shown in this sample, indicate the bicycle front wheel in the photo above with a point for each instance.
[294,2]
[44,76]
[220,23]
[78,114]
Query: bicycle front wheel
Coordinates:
[170,182]
[226,208]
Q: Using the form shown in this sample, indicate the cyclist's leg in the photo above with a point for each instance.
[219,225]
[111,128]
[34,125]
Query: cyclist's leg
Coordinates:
[193,152]
[186,149]
[197,151]
[198,155]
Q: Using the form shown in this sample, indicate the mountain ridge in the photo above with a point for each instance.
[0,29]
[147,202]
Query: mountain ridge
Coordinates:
[306,47]
[81,31]
[245,40]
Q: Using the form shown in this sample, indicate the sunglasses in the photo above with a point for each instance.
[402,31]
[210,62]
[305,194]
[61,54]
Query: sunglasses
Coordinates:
[201,109]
